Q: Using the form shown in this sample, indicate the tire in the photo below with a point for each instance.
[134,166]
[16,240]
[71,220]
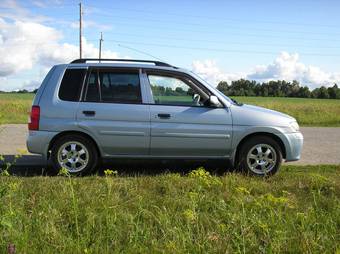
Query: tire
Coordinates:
[75,153]
[260,156]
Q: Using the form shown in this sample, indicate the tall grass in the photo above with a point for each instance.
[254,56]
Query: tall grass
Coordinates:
[296,211]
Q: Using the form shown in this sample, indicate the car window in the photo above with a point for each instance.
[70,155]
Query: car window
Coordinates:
[92,93]
[71,84]
[120,87]
[115,87]
[174,91]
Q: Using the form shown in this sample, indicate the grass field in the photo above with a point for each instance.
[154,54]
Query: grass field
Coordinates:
[296,211]
[309,112]
[14,108]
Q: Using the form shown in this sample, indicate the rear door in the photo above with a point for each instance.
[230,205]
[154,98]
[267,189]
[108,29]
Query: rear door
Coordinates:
[112,110]
[183,124]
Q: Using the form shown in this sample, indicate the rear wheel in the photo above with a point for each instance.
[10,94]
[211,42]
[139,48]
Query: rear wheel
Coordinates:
[260,156]
[75,153]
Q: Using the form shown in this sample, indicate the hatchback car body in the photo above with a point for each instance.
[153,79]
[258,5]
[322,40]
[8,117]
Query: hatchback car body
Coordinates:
[90,110]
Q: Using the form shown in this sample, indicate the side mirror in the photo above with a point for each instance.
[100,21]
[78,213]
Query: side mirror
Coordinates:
[214,102]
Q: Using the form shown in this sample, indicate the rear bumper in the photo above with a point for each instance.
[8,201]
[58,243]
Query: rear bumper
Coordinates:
[293,143]
[38,142]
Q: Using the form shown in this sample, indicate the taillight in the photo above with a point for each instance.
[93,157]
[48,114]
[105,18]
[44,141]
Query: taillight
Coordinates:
[33,125]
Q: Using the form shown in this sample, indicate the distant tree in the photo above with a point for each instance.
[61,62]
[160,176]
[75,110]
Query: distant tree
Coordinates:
[22,91]
[323,93]
[276,88]
[179,90]
[304,92]
[294,89]
[334,92]
[223,87]
[315,93]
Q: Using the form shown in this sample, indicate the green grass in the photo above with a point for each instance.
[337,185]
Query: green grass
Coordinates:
[308,112]
[14,108]
[296,211]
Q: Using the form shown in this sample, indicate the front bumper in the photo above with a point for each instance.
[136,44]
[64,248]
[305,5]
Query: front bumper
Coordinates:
[38,142]
[293,144]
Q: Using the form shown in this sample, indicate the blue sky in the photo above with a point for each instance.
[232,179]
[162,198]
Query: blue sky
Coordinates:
[218,39]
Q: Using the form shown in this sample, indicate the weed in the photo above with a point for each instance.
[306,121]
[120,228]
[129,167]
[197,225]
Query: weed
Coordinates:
[172,213]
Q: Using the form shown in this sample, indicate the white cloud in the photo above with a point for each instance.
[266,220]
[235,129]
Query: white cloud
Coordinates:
[285,67]
[209,71]
[28,45]
[288,67]
[22,45]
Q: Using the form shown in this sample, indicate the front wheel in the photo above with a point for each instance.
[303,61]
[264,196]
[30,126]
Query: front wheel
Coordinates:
[75,153]
[260,156]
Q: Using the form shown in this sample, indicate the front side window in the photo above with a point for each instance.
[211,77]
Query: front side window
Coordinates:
[168,90]
[115,87]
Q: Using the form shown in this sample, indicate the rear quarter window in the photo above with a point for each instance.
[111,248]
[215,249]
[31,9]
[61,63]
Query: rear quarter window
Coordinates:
[71,84]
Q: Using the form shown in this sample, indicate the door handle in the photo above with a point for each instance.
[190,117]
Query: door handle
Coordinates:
[164,116]
[89,112]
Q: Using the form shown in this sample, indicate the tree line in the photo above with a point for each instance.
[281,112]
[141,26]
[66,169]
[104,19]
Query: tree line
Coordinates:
[278,88]
[21,91]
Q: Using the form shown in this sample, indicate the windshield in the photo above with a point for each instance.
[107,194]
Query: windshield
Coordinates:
[215,89]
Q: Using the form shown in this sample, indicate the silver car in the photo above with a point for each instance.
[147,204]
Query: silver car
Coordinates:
[91,110]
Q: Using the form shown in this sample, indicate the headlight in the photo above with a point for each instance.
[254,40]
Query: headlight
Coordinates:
[294,126]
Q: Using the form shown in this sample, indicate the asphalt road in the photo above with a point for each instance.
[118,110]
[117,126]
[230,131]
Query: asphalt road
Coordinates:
[321,146]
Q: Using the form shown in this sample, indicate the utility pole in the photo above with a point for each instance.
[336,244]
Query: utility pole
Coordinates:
[100,45]
[80,30]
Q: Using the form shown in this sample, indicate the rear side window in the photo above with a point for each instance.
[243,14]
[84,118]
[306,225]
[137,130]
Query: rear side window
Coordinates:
[115,87]
[92,93]
[71,84]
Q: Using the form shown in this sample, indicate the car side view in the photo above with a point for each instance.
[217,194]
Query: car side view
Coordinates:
[94,109]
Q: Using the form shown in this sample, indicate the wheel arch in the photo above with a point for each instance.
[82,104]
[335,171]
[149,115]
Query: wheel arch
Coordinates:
[251,135]
[66,133]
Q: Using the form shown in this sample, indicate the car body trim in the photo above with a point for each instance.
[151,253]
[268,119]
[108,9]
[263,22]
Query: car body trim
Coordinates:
[123,133]
[193,135]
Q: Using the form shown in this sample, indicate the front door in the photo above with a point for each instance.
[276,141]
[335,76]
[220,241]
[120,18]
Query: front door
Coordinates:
[183,124]
[113,112]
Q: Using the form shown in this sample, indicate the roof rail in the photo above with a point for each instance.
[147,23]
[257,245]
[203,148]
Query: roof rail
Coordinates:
[84,60]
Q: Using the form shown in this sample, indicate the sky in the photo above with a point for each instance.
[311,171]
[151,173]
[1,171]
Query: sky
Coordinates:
[219,40]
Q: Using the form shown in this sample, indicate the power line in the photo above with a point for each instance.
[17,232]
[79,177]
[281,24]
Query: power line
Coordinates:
[223,42]
[176,14]
[186,15]
[217,49]
[105,16]
[226,43]
[196,48]
[152,27]
[140,51]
